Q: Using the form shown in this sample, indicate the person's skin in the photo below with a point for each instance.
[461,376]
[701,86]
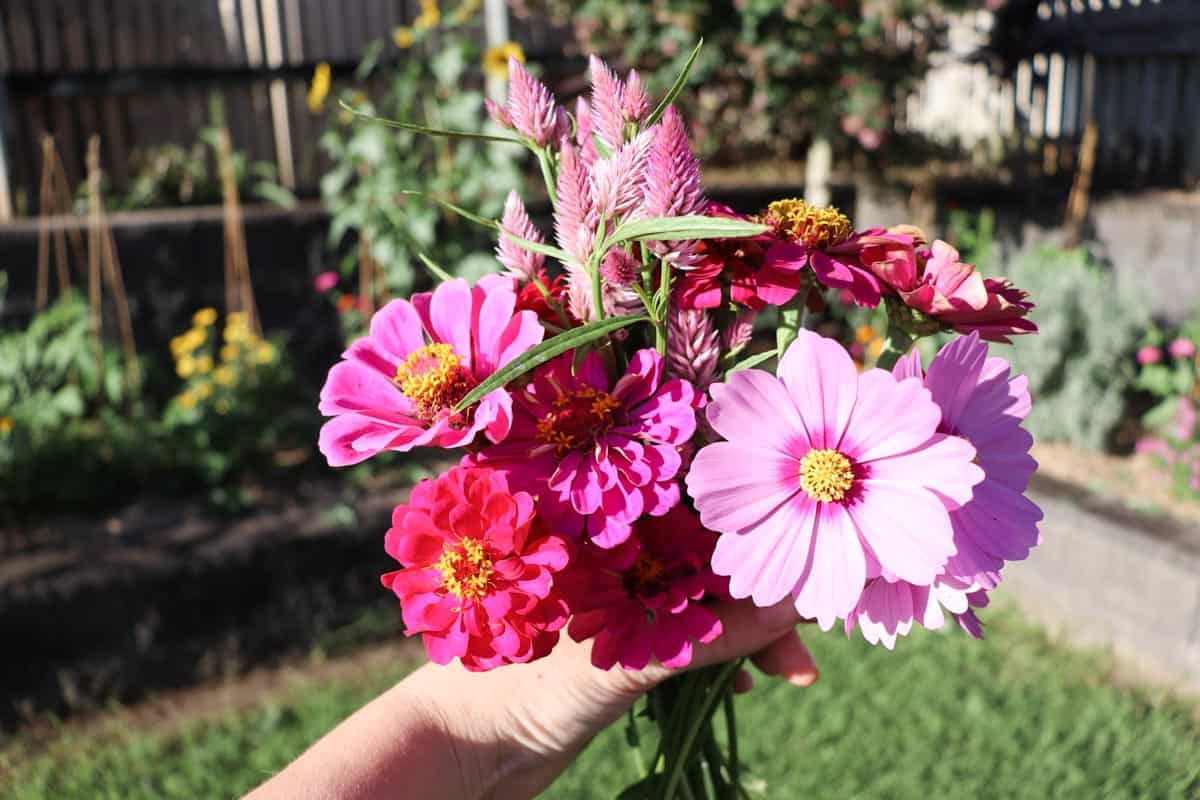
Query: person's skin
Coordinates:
[506,734]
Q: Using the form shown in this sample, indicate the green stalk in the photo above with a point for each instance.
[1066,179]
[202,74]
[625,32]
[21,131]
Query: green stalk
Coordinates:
[594,270]
[898,340]
[707,707]
[664,305]
[735,767]
[546,163]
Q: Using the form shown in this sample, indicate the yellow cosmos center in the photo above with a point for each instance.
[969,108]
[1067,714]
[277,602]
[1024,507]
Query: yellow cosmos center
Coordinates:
[434,378]
[576,419]
[466,569]
[826,475]
[816,226]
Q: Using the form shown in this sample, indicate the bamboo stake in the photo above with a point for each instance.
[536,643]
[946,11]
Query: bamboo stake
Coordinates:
[45,204]
[366,276]
[66,206]
[239,290]
[93,182]
[1077,203]
[116,285]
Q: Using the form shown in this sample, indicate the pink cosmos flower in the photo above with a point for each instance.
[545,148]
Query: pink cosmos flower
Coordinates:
[641,599]
[1149,354]
[597,455]
[479,573]
[395,389]
[1182,348]
[827,478]
[325,281]
[983,405]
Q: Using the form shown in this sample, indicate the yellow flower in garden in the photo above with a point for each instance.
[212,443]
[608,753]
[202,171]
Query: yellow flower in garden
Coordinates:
[864,334]
[264,353]
[226,376]
[185,367]
[319,89]
[495,60]
[203,390]
[222,406]
[402,37]
[178,345]
[6,425]
[429,17]
[204,317]
[186,400]
[229,352]
[464,12]
[204,365]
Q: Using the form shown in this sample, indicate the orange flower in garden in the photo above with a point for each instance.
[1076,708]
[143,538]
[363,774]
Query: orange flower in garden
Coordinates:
[346,303]
[495,60]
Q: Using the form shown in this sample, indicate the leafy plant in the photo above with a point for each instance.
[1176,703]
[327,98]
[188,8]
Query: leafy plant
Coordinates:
[383,179]
[1080,366]
[1172,374]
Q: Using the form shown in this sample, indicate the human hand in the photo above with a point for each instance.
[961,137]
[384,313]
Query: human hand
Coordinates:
[508,733]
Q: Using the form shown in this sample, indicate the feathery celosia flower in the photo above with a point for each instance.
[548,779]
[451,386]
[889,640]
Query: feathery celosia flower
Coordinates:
[597,455]
[635,103]
[584,131]
[641,599]
[935,282]
[479,571]
[739,332]
[574,213]
[693,346]
[672,181]
[981,404]
[827,478]
[620,267]
[823,239]
[608,99]
[617,180]
[520,263]
[531,107]
[396,388]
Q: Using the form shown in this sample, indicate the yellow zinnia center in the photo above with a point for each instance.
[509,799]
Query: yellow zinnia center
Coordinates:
[434,378]
[816,226]
[466,569]
[826,475]
[576,419]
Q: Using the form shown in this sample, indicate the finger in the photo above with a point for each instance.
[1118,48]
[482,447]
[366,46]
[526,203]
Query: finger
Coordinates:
[746,629]
[788,658]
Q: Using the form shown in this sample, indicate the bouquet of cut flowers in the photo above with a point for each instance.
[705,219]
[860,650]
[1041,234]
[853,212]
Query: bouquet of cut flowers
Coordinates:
[624,462]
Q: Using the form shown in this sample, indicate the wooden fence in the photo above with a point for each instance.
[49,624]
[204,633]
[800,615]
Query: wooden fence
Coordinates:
[1129,68]
[143,72]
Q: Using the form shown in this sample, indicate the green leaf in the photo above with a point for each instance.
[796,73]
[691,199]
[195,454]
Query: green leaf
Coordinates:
[462,212]
[693,226]
[537,247]
[676,87]
[434,269]
[749,362]
[545,351]
[425,129]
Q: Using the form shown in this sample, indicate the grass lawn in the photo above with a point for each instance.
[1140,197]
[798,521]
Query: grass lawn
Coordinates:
[943,717]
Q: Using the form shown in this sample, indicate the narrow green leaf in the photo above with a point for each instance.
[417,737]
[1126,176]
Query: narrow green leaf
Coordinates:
[536,247]
[545,351]
[693,226]
[749,362]
[434,268]
[428,131]
[462,212]
[676,87]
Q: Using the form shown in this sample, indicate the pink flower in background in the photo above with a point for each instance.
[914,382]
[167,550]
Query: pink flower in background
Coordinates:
[325,281]
[395,388]
[827,478]
[478,577]
[642,598]
[1149,354]
[597,455]
[520,263]
[1182,348]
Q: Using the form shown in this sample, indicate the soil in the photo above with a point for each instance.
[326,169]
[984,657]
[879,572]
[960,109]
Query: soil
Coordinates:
[1134,481]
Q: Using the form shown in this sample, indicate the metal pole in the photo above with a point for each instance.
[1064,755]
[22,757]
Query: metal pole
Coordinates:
[495,25]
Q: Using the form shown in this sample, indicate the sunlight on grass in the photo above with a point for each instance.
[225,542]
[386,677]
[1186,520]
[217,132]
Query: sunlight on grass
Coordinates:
[943,716]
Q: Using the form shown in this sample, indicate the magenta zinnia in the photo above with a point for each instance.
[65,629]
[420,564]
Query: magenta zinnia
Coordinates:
[598,454]
[827,478]
[396,388]
[478,581]
[641,599]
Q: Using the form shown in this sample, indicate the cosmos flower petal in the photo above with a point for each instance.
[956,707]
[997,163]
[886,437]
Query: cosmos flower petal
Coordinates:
[907,527]
[837,571]
[820,377]
[737,412]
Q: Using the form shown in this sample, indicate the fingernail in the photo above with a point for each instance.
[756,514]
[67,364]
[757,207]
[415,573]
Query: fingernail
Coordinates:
[803,679]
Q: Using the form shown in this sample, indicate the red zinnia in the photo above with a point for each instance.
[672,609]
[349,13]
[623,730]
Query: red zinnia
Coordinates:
[478,576]
[642,598]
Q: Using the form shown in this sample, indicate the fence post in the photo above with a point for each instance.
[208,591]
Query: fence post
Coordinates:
[495,24]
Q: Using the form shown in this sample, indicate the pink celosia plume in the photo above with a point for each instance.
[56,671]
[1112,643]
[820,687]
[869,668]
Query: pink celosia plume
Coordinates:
[574,213]
[693,346]
[672,180]
[532,108]
[608,98]
[619,179]
[518,262]
[635,103]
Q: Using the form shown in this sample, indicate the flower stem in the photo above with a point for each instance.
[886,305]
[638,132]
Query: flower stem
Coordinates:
[898,340]
[680,759]
[545,162]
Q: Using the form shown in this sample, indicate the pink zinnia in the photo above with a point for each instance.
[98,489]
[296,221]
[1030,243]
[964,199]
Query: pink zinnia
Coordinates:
[827,478]
[478,581]
[325,281]
[1148,354]
[642,598]
[598,455]
[396,388]
[1182,348]
[982,404]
